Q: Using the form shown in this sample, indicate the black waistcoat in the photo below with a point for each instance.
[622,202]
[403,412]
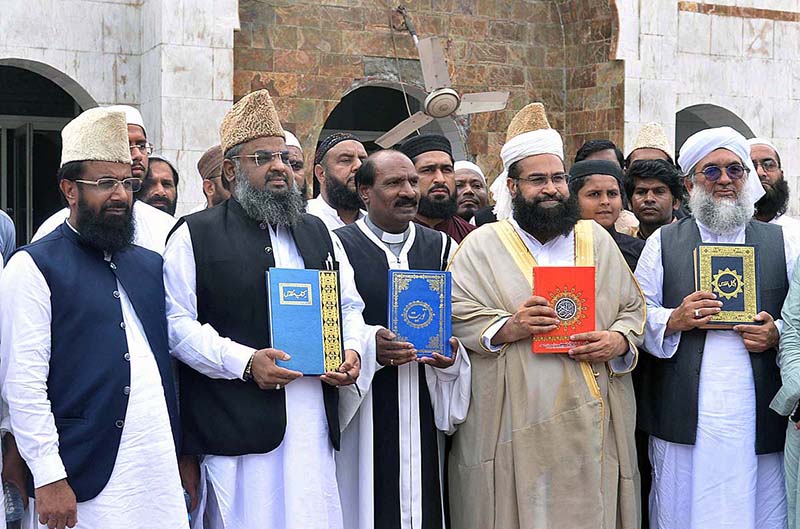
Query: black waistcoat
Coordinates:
[372,280]
[232,252]
[669,387]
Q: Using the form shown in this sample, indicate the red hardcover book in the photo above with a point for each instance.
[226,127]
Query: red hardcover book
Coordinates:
[570,291]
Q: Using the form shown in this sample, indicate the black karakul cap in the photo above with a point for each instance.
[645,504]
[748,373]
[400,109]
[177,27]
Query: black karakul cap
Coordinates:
[592,167]
[426,143]
[329,142]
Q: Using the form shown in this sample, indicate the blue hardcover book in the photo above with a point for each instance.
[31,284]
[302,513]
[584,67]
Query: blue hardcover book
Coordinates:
[730,271]
[305,318]
[419,310]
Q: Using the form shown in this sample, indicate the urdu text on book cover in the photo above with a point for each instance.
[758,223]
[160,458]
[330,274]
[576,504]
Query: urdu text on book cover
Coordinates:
[730,272]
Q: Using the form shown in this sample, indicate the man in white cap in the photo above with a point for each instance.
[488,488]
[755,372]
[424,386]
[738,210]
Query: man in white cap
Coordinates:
[704,398]
[473,194]
[88,376]
[297,162]
[548,438]
[773,205]
[151,225]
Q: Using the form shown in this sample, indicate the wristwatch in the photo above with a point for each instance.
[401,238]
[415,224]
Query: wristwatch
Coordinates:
[248,371]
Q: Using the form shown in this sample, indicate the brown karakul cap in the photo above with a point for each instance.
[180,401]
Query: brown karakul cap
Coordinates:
[531,117]
[210,163]
[253,116]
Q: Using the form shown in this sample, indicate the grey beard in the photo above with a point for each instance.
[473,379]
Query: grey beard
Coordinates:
[283,208]
[721,216]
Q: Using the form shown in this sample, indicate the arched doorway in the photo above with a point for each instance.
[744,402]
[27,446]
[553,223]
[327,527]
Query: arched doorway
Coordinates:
[370,111]
[33,110]
[700,117]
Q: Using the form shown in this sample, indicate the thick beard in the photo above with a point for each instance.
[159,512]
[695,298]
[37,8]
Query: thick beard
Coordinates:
[280,208]
[340,196]
[775,202]
[546,223]
[721,216]
[438,209]
[109,233]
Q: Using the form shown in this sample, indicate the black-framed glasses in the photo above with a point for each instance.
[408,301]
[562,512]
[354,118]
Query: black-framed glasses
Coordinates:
[109,185]
[540,180]
[143,146]
[769,164]
[264,157]
[735,171]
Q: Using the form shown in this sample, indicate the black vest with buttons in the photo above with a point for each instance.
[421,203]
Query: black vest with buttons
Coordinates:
[89,380]
[232,253]
[669,387]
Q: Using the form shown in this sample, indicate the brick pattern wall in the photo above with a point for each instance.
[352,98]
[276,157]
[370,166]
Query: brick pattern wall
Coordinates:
[309,53]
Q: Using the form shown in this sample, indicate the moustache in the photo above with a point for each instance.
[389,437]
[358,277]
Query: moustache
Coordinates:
[557,197]
[437,187]
[403,202]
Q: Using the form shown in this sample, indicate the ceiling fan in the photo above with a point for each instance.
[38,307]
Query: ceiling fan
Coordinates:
[442,100]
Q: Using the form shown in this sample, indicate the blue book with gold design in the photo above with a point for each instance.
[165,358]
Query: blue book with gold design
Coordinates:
[419,310]
[729,271]
[305,318]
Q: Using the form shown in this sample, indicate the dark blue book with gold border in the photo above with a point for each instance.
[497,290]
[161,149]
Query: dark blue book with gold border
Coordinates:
[729,271]
[420,311]
[305,318]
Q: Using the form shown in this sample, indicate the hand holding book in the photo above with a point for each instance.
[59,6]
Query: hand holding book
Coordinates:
[759,338]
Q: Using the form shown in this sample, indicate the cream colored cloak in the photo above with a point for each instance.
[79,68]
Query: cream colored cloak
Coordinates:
[547,442]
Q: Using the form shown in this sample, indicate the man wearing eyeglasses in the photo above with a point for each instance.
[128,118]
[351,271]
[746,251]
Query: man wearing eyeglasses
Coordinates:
[151,225]
[773,205]
[715,445]
[88,376]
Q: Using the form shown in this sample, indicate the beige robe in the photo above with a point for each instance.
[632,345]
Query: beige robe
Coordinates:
[548,441]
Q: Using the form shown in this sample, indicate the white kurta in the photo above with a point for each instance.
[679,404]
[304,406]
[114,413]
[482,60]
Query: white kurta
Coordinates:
[449,390]
[719,481]
[144,489]
[327,214]
[293,486]
[151,226]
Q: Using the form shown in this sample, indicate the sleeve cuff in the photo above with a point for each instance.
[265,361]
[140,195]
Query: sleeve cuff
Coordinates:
[779,326]
[236,358]
[625,363]
[46,470]
[488,334]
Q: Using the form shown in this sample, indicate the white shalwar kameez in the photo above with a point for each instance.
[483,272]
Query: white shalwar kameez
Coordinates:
[293,486]
[719,482]
[144,490]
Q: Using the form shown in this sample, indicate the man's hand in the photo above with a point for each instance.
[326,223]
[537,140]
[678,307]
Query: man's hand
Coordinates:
[390,352]
[695,310]
[347,373]
[15,471]
[267,374]
[759,338]
[601,346]
[535,316]
[189,469]
[56,505]
[440,361]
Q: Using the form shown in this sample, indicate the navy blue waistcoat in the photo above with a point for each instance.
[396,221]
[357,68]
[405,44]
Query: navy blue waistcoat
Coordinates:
[90,371]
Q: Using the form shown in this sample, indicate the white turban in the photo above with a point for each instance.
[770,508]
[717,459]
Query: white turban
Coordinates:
[463,164]
[762,141]
[542,141]
[133,116]
[291,140]
[701,144]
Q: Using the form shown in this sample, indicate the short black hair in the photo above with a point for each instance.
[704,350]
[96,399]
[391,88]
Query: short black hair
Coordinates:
[70,171]
[592,146]
[365,176]
[661,170]
[149,172]
[514,170]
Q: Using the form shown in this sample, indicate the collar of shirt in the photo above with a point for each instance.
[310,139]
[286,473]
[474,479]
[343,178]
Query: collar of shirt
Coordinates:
[557,251]
[389,238]
[326,209]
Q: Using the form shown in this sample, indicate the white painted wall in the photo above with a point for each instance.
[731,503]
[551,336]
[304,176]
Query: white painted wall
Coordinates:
[173,59]
[675,59]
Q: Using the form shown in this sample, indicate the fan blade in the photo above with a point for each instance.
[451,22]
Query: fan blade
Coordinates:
[403,129]
[482,102]
[434,67]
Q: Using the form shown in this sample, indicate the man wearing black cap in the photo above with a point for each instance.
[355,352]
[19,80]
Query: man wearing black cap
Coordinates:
[438,202]
[335,164]
[596,185]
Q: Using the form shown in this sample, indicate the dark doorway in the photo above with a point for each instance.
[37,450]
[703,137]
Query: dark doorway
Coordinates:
[700,117]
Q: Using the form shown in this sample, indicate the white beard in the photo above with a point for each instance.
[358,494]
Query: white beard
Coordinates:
[721,215]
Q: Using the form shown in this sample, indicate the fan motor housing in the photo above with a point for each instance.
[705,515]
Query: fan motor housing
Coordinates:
[442,102]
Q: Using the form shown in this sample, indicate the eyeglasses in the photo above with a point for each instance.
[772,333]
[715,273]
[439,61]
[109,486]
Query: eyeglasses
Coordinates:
[540,180]
[296,165]
[142,146]
[734,171]
[767,163]
[109,185]
[264,157]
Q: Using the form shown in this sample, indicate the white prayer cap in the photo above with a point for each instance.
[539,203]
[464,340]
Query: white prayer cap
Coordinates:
[703,143]
[99,134]
[133,116]
[464,164]
[762,141]
[292,141]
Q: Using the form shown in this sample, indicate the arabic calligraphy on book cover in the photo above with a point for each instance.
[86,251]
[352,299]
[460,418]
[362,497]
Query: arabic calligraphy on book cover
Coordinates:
[729,271]
[419,310]
[570,292]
